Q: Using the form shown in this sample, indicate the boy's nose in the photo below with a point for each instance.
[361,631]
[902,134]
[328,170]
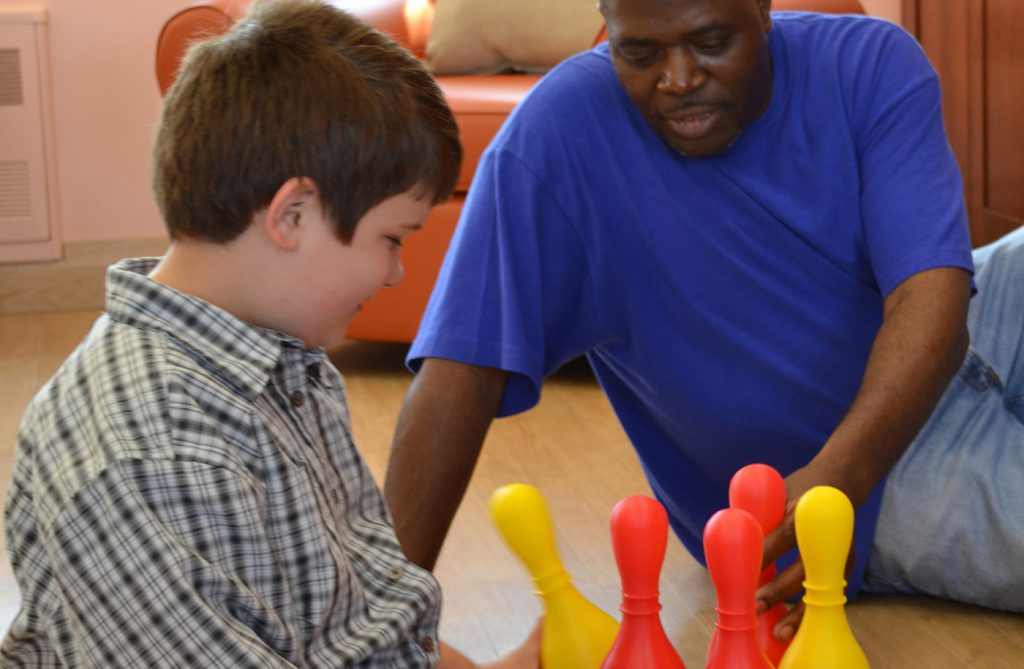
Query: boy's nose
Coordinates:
[396,275]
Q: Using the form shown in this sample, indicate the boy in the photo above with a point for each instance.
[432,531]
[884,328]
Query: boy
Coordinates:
[186,492]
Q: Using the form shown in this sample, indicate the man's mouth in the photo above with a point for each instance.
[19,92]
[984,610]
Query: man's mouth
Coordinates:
[694,122]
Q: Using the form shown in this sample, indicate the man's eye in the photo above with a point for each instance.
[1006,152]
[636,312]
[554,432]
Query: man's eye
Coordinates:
[396,241]
[638,56]
[714,46]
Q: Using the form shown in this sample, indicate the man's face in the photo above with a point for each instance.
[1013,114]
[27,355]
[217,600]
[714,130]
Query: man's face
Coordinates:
[698,70]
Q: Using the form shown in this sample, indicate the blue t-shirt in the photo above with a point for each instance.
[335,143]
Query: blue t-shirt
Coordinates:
[727,305]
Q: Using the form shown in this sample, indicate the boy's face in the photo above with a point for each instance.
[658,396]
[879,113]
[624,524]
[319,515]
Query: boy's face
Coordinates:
[341,276]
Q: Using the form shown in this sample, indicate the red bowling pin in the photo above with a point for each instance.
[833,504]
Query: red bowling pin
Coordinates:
[639,535]
[733,549]
[760,490]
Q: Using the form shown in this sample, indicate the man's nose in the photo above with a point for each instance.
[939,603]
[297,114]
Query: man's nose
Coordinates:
[681,72]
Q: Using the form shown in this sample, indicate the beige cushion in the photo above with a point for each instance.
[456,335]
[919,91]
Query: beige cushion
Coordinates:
[487,36]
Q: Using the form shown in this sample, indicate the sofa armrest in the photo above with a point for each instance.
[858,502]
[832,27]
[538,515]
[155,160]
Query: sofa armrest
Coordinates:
[214,17]
[195,22]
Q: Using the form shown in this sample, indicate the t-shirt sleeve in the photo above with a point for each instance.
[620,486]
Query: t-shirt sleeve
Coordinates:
[514,291]
[911,190]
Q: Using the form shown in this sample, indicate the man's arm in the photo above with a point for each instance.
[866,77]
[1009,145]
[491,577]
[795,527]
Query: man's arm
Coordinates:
[437,441]
[918,349]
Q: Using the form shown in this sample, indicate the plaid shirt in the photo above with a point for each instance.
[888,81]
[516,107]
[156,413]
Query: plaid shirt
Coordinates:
[186,494]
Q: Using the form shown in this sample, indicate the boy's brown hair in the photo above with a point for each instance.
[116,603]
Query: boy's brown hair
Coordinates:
[298,88]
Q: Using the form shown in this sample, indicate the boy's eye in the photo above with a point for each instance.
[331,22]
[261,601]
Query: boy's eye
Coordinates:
[395,241]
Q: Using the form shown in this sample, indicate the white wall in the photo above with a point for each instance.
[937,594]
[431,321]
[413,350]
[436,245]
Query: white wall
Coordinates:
[106,104]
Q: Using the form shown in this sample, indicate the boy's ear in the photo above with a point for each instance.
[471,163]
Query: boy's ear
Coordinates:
[290,206]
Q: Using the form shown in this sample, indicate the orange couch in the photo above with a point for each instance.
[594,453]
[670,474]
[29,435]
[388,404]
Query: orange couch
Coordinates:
[480,104]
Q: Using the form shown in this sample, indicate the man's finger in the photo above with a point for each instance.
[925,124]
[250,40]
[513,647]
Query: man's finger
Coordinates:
[784,586]
[779,541]
[787,625]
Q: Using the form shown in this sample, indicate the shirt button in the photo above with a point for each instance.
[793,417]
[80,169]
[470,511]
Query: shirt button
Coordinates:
[395,572]
[427,644]
[297,399]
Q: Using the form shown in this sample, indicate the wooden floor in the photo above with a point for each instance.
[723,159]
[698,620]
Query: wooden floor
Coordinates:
[572,448]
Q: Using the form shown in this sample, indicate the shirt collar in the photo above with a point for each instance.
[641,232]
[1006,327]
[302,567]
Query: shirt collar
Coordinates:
[245,354]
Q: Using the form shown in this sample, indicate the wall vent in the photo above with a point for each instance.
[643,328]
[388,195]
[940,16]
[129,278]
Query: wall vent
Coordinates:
[10,78]
[15,198]
[28,203]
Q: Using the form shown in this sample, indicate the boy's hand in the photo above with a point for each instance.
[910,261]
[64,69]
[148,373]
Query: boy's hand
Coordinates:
[527,656]
[789,581]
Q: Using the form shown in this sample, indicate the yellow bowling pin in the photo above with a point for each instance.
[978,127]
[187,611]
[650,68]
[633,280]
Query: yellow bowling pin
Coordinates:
[576,634]
[824,530]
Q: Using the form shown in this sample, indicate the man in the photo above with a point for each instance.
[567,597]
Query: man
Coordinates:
[753,227]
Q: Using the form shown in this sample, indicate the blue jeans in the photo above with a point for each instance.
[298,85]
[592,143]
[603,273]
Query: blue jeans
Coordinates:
[952,517]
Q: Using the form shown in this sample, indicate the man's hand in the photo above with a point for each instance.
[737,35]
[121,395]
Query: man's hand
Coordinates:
[789,581]
[917,350]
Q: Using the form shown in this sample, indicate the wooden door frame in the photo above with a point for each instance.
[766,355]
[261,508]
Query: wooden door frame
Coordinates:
[963,72]
[908,14]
